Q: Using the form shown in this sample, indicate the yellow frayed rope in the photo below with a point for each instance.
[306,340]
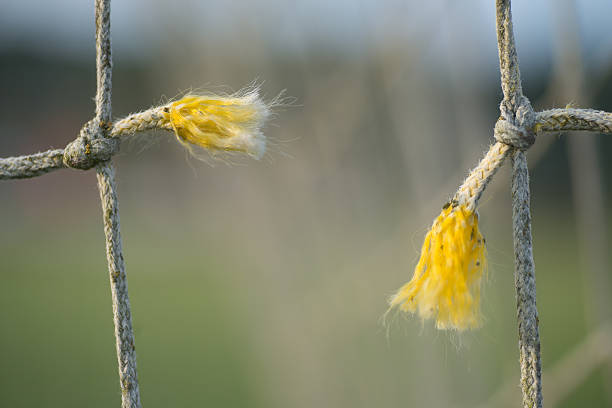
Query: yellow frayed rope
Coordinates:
[446,281]
[215,123]
[447,278]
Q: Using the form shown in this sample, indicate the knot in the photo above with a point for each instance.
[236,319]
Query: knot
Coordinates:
[516,128]
[90,148]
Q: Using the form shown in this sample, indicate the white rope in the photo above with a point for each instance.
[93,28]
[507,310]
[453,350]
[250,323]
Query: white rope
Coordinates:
[558,120]
[122,315]
[516,110]
[524,279]
[32,165]
[515,132]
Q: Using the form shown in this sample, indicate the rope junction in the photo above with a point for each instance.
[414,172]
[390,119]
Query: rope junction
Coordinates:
[514,132]
[217,123]
[446,281]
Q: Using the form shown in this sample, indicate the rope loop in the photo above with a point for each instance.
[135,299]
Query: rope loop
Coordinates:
[515,127]
[91,147]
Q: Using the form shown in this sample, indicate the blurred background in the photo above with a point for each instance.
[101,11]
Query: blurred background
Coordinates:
[263,284]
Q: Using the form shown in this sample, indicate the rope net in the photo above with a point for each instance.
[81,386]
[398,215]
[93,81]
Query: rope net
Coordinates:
[447,278]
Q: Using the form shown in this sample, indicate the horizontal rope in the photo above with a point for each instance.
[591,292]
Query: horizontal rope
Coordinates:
[215,123]
[37,164]
[84,152]
[31,165]
[557,120]
[142,121]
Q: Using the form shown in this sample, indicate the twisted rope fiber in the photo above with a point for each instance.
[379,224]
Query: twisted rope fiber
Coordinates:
[122,315]
[98,141]
[226,123]
[104,61]
[557,120]
[524,277]
[553,120]
[517,112]
[32,165]
[446,281]
[514,133]
[88,150]
[154,118]
[508,58]
[471,190]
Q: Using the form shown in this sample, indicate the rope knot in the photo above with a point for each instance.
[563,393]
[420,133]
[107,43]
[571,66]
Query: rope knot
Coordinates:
[91,147]
[516,128]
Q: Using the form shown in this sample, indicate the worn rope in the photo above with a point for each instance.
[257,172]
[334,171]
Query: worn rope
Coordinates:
[122,315]
[233,124]
[104,61]
[558,120]
[32,165]
[474,185]
[215,123]
[553,120]
[150,119]
[524,277]
[447,278]
[508,58]
[227,123]
[516,110]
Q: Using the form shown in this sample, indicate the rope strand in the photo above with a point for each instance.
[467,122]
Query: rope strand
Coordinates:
[474,185]
[32,165]
[508,58]
[558,120]
[122,315]
[524,277]
[517,111]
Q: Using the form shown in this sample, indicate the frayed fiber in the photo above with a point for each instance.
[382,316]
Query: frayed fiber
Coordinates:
[229,124]
[447,279]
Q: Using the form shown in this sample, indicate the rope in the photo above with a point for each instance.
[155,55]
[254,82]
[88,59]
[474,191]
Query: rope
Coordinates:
[519,120]
[524,278]
[97,131]
[32,165]
[91,148]
[224,123]
[508,58]
[153,118]
[104,62]
[474,185]
[557,120]
[197,120]
[122,315]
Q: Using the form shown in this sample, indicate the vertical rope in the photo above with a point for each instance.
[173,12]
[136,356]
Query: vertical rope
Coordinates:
[122,315]
[515,108]
[524,278]
[508,58]
[104,61]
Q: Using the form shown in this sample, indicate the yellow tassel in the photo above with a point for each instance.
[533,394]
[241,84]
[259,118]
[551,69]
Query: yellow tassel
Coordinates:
[447,278]
[230,124]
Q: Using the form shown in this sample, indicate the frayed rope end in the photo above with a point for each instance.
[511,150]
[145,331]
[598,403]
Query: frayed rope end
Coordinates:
[447,279]
[220,123]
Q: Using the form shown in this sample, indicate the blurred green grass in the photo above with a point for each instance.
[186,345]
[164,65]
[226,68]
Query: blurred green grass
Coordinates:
[57,347]
[198,325]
